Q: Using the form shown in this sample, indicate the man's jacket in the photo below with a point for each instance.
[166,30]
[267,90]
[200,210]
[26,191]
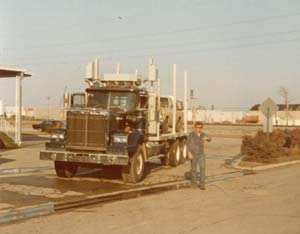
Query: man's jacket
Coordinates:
[195,143]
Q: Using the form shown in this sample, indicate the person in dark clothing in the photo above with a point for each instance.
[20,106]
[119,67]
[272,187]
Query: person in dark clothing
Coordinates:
[195,144]
[165,125]
[178,127]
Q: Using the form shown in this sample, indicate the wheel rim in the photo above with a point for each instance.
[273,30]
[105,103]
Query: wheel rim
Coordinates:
[184,151]
[139,164]
[177,153]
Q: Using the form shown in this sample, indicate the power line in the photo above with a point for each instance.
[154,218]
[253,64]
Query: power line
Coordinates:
[187,43]
[69,27]
[193,51]
[164,33]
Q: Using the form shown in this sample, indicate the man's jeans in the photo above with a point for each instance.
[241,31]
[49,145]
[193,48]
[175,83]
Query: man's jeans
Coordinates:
[201,161]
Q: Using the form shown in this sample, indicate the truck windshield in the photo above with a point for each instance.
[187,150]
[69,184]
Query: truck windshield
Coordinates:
[112,100]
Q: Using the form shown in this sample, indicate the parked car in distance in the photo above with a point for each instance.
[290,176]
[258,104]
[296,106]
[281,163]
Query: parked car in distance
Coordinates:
[49,125]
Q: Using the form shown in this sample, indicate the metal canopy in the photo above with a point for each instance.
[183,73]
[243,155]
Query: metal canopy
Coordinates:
[6,72]
[18,74]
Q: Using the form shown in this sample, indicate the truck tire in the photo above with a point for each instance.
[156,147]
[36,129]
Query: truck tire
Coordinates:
[183,151]
[64,169]
[175,154]
[134,172]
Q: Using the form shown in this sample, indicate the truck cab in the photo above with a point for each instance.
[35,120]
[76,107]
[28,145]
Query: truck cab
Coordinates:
[116,121]
[108,111]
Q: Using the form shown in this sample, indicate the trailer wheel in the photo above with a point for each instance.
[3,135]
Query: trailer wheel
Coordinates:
[175,153]
[183,148]
[65,169]
[134,172]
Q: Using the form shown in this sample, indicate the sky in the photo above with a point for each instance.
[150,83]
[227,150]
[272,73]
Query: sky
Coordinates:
[236,52]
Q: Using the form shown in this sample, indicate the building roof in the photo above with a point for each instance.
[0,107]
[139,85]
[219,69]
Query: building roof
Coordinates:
[8,72]
[281,107]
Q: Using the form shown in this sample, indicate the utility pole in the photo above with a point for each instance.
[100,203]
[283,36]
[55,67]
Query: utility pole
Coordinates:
[48,100]
[284,93]
[193,101]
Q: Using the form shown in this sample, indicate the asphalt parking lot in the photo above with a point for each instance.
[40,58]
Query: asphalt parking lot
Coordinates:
[39,186]
[230,205]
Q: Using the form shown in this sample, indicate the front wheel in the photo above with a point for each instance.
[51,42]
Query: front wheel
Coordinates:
[65,169]
[134,171]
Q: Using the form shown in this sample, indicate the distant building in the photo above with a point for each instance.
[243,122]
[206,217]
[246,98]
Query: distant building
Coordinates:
[280,116]
[281,107]
[216,116]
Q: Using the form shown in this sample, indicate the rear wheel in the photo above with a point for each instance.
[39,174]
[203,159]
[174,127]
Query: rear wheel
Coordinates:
[65,169]
[134,171]
[183,153]
[175,154]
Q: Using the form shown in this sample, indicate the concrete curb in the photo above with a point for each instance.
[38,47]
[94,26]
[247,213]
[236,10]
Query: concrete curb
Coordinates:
[25,213]
[23,170]
[266,167]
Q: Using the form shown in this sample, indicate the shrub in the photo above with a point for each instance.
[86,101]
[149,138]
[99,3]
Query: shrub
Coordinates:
[262,148]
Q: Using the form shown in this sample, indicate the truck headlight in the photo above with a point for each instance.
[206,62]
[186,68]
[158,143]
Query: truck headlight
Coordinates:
[57,136]
[120,138]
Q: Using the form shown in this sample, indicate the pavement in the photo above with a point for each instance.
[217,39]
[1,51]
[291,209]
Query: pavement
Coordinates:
[27,156]
[264,203]
[26,180]
[267,202]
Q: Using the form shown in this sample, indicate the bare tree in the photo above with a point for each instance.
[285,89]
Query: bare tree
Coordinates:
[285,94]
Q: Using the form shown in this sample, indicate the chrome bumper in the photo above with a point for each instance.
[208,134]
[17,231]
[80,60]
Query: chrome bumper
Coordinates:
[104,159]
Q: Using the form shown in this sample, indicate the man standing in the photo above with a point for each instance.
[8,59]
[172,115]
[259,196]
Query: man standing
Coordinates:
[195,144]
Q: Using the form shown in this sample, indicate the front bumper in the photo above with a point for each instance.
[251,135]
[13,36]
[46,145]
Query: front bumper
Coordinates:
[55,145]
[93,158]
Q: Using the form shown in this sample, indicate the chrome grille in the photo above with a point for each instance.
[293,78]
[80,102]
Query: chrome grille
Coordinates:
[86,130]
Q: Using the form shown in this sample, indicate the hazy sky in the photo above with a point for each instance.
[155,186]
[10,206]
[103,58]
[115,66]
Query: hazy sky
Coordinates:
[237,52]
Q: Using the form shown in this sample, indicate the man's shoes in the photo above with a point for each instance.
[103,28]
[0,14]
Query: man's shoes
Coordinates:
[202,186]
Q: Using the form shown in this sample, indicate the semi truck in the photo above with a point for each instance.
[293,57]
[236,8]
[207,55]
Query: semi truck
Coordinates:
[121,119]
